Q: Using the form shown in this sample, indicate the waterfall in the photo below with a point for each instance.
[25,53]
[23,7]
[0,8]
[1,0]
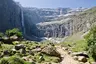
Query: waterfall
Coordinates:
[22,18]
[22,21]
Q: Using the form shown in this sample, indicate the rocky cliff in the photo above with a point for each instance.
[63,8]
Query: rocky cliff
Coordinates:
[9,15]
[13,15]
[69,24]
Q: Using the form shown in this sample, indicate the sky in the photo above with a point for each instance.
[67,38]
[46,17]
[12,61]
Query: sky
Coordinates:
[57,3]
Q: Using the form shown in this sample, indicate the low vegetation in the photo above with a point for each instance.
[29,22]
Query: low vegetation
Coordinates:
[21,51]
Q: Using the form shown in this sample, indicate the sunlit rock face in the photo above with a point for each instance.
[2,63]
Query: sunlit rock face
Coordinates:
[56,28]
[10,15]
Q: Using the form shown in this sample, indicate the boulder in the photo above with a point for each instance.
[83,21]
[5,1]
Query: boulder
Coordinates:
[19,46]
[50,50]
[82,59]
[6,40]
[36,50]
[80,54]
[14,37]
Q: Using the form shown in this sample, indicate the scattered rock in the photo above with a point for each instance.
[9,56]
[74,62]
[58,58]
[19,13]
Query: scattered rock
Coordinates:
[36,50]
[22,51]
[20,46]
[6,52]
[50,50]
[82,59]
[6,40]
[66,49]
[80,54]
[69,52]
[75,58]
[14,37]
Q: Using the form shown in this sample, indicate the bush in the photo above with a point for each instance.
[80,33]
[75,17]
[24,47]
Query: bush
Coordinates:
[4,61]
[1,34]
[14,31]
[15,60]
[12,60]
[91,40]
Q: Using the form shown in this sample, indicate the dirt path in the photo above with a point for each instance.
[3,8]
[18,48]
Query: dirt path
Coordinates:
[67,59]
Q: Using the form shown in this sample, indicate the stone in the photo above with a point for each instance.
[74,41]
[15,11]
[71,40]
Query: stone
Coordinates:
[82,59]
[6,40]
[50,50]
[80,54]
[14,37]
[19,46]
[6,52]
[75,58]
[69,52]
[36,50]
[22,51]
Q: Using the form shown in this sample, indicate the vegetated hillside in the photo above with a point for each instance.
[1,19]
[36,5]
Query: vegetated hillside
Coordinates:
[9,15]
[72,23]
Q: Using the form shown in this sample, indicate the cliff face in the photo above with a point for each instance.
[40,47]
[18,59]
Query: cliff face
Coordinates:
[30,19]
[49,14]
[13,15]
[69,24]
[9,15]
[56,28]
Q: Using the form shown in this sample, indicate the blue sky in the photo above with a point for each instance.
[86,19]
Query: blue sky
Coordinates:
[57,3]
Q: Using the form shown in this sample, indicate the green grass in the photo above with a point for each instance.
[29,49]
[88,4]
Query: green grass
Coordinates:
[51,59]
[80,46]
[76,42]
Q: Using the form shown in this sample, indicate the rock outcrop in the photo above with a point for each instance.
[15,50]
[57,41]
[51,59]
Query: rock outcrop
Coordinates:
[9,15]
[13,15]
[56,28]
[69,24]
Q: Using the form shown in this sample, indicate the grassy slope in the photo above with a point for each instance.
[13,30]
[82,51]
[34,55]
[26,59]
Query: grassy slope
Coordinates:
[76,42]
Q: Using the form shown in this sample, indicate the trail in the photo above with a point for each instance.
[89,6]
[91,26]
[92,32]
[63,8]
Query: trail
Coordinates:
[67,59]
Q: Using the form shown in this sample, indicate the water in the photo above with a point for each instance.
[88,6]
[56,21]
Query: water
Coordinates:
[22,20]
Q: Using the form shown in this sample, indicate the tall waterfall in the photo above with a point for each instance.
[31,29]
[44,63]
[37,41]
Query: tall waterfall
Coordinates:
[22,18]
[22,21]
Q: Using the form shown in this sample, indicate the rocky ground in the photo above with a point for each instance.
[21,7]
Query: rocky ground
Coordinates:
[32,52]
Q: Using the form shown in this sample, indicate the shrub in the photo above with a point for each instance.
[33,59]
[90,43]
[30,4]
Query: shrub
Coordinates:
[12,60]
[4,61]
[1,34]
[91,40]
[15,60]
[14,31]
